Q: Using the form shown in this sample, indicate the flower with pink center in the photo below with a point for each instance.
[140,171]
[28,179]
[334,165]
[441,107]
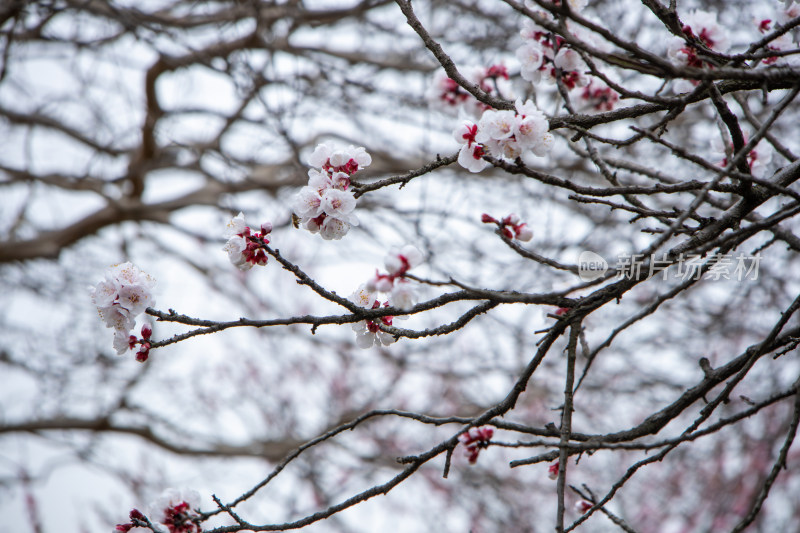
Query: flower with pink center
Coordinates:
[399,261]
[531,129]
[704,26]
[176,511]
[340,180]
[332,228]
[568,60]
[124,341]
[235,248]
[368,332]
[471,158]
[511,226]
[531,56]
[340,204]
[495,125]
[465,133]
[307,203]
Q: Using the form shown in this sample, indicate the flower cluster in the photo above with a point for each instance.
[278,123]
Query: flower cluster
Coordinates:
[447,94]
[174,511]
[511,226]
[402,292]
[546,57]
[599,96]
[702,26]
[325,206]
[124,342]
[784,41]
[475,440]
[368,332]
[504,133]
[758,158]
[125,293]
[245,247]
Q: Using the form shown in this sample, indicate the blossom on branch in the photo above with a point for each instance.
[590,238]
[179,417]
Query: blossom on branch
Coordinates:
[124,294]
[176,511]
[552,471]
[511,226]
[582,506]
[325,206]
[403,293]
[547,57]
[474,440]
[245,247]
[504,134]
[368,332]
[701,26]
[448,95]
[758,159]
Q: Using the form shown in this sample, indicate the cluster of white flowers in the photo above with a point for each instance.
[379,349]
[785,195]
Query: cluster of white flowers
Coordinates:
[448,95]
[504,133]
[325,206]
[703,26]
[542,53]
[368,332]
[402,294]
[758,159]
[245,248]
[124,294]
[175,511]
[783,42]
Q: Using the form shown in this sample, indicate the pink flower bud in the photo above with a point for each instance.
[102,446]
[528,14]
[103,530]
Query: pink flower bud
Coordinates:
[552,472]
[146,331]
[136,514]
[582,506]
[143,353]
[266,227]
[523,232]
[488,219]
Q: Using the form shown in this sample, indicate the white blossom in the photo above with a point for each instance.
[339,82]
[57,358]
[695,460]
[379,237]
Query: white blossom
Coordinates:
[471,158]
[333,228]
[495,125]
[235,248]
[402,259]
[404,295]
[339,204]
[320,156]
[705,27]
[236,226]
[531,56]
[363,297]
